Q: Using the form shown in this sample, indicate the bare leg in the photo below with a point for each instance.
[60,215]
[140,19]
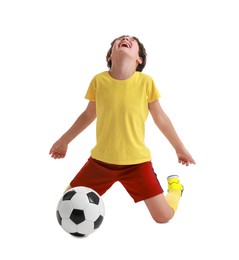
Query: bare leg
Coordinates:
[162,208]
[67,188]
[159,208]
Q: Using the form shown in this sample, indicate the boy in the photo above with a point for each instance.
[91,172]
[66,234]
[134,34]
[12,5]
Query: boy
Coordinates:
[120,99]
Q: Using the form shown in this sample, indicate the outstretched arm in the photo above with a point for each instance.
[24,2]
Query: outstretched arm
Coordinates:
[166,127]
[59,148]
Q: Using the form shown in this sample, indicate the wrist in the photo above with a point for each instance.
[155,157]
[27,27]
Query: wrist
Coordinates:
[180,148]
[65,140]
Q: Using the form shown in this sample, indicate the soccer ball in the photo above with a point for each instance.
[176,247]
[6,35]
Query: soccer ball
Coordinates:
[80,211]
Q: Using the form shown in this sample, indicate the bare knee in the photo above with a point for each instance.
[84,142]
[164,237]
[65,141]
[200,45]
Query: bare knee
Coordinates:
[159,209]
[163,218]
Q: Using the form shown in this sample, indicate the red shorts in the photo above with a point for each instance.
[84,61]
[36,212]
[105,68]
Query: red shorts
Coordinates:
[139,180]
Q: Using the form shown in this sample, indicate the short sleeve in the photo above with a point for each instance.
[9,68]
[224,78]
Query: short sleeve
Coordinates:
[90,94]
[152,92]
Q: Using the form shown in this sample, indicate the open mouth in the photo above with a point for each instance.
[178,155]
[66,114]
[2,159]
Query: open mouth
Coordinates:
[124,44]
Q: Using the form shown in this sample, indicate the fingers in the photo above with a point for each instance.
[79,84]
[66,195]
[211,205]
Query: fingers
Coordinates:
[58,151]
[57,155]
[193,162]
[186,162]
[183,162]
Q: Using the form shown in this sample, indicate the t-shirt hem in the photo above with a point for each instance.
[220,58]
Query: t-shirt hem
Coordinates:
[119,162]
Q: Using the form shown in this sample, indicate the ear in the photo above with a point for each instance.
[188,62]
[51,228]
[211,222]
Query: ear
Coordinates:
[139,60]
[109,58]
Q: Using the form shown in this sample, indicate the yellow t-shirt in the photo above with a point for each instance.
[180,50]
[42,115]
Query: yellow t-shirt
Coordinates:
[121,110]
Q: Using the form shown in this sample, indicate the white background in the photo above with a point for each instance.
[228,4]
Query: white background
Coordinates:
[49,51]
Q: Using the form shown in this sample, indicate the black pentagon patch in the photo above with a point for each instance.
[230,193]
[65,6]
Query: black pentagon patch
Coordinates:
[68,195]
[93,198]
[76,234]
[58,217]
[77,216]
[98,222]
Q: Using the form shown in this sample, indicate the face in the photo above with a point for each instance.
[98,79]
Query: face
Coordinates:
[126,45]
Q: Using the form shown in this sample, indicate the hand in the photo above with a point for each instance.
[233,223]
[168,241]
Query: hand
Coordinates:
[58,150]
[185,158]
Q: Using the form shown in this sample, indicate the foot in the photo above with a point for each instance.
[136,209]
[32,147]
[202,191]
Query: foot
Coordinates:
[174,183]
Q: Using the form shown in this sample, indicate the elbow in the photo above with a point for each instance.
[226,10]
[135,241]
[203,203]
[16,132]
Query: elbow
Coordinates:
[160,121]
[90,116]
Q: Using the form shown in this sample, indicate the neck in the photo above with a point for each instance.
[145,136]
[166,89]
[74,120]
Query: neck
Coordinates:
[122,70]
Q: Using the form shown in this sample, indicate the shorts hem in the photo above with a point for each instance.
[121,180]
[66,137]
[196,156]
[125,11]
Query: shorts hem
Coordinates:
[148,197]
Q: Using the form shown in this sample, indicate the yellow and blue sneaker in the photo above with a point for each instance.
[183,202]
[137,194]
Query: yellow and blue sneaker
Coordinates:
[174,183]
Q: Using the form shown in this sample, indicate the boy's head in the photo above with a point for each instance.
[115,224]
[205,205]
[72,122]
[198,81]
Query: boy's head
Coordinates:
[142,52]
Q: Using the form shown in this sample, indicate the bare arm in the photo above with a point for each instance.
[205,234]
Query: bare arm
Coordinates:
[166,127]
[59,148]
